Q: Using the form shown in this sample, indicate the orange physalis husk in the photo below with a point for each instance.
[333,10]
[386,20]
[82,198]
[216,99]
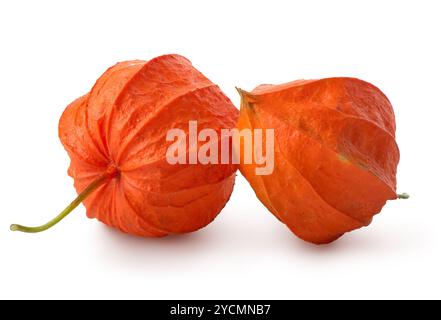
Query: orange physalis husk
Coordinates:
[116,139]
[335,155]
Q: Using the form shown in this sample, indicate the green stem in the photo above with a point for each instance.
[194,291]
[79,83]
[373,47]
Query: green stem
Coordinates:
[83,195]
[403,196]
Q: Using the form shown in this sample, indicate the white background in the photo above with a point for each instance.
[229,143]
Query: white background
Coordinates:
[52,52]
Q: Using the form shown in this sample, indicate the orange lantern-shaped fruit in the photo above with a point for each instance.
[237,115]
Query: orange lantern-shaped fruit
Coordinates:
[116,138]
[335,155]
